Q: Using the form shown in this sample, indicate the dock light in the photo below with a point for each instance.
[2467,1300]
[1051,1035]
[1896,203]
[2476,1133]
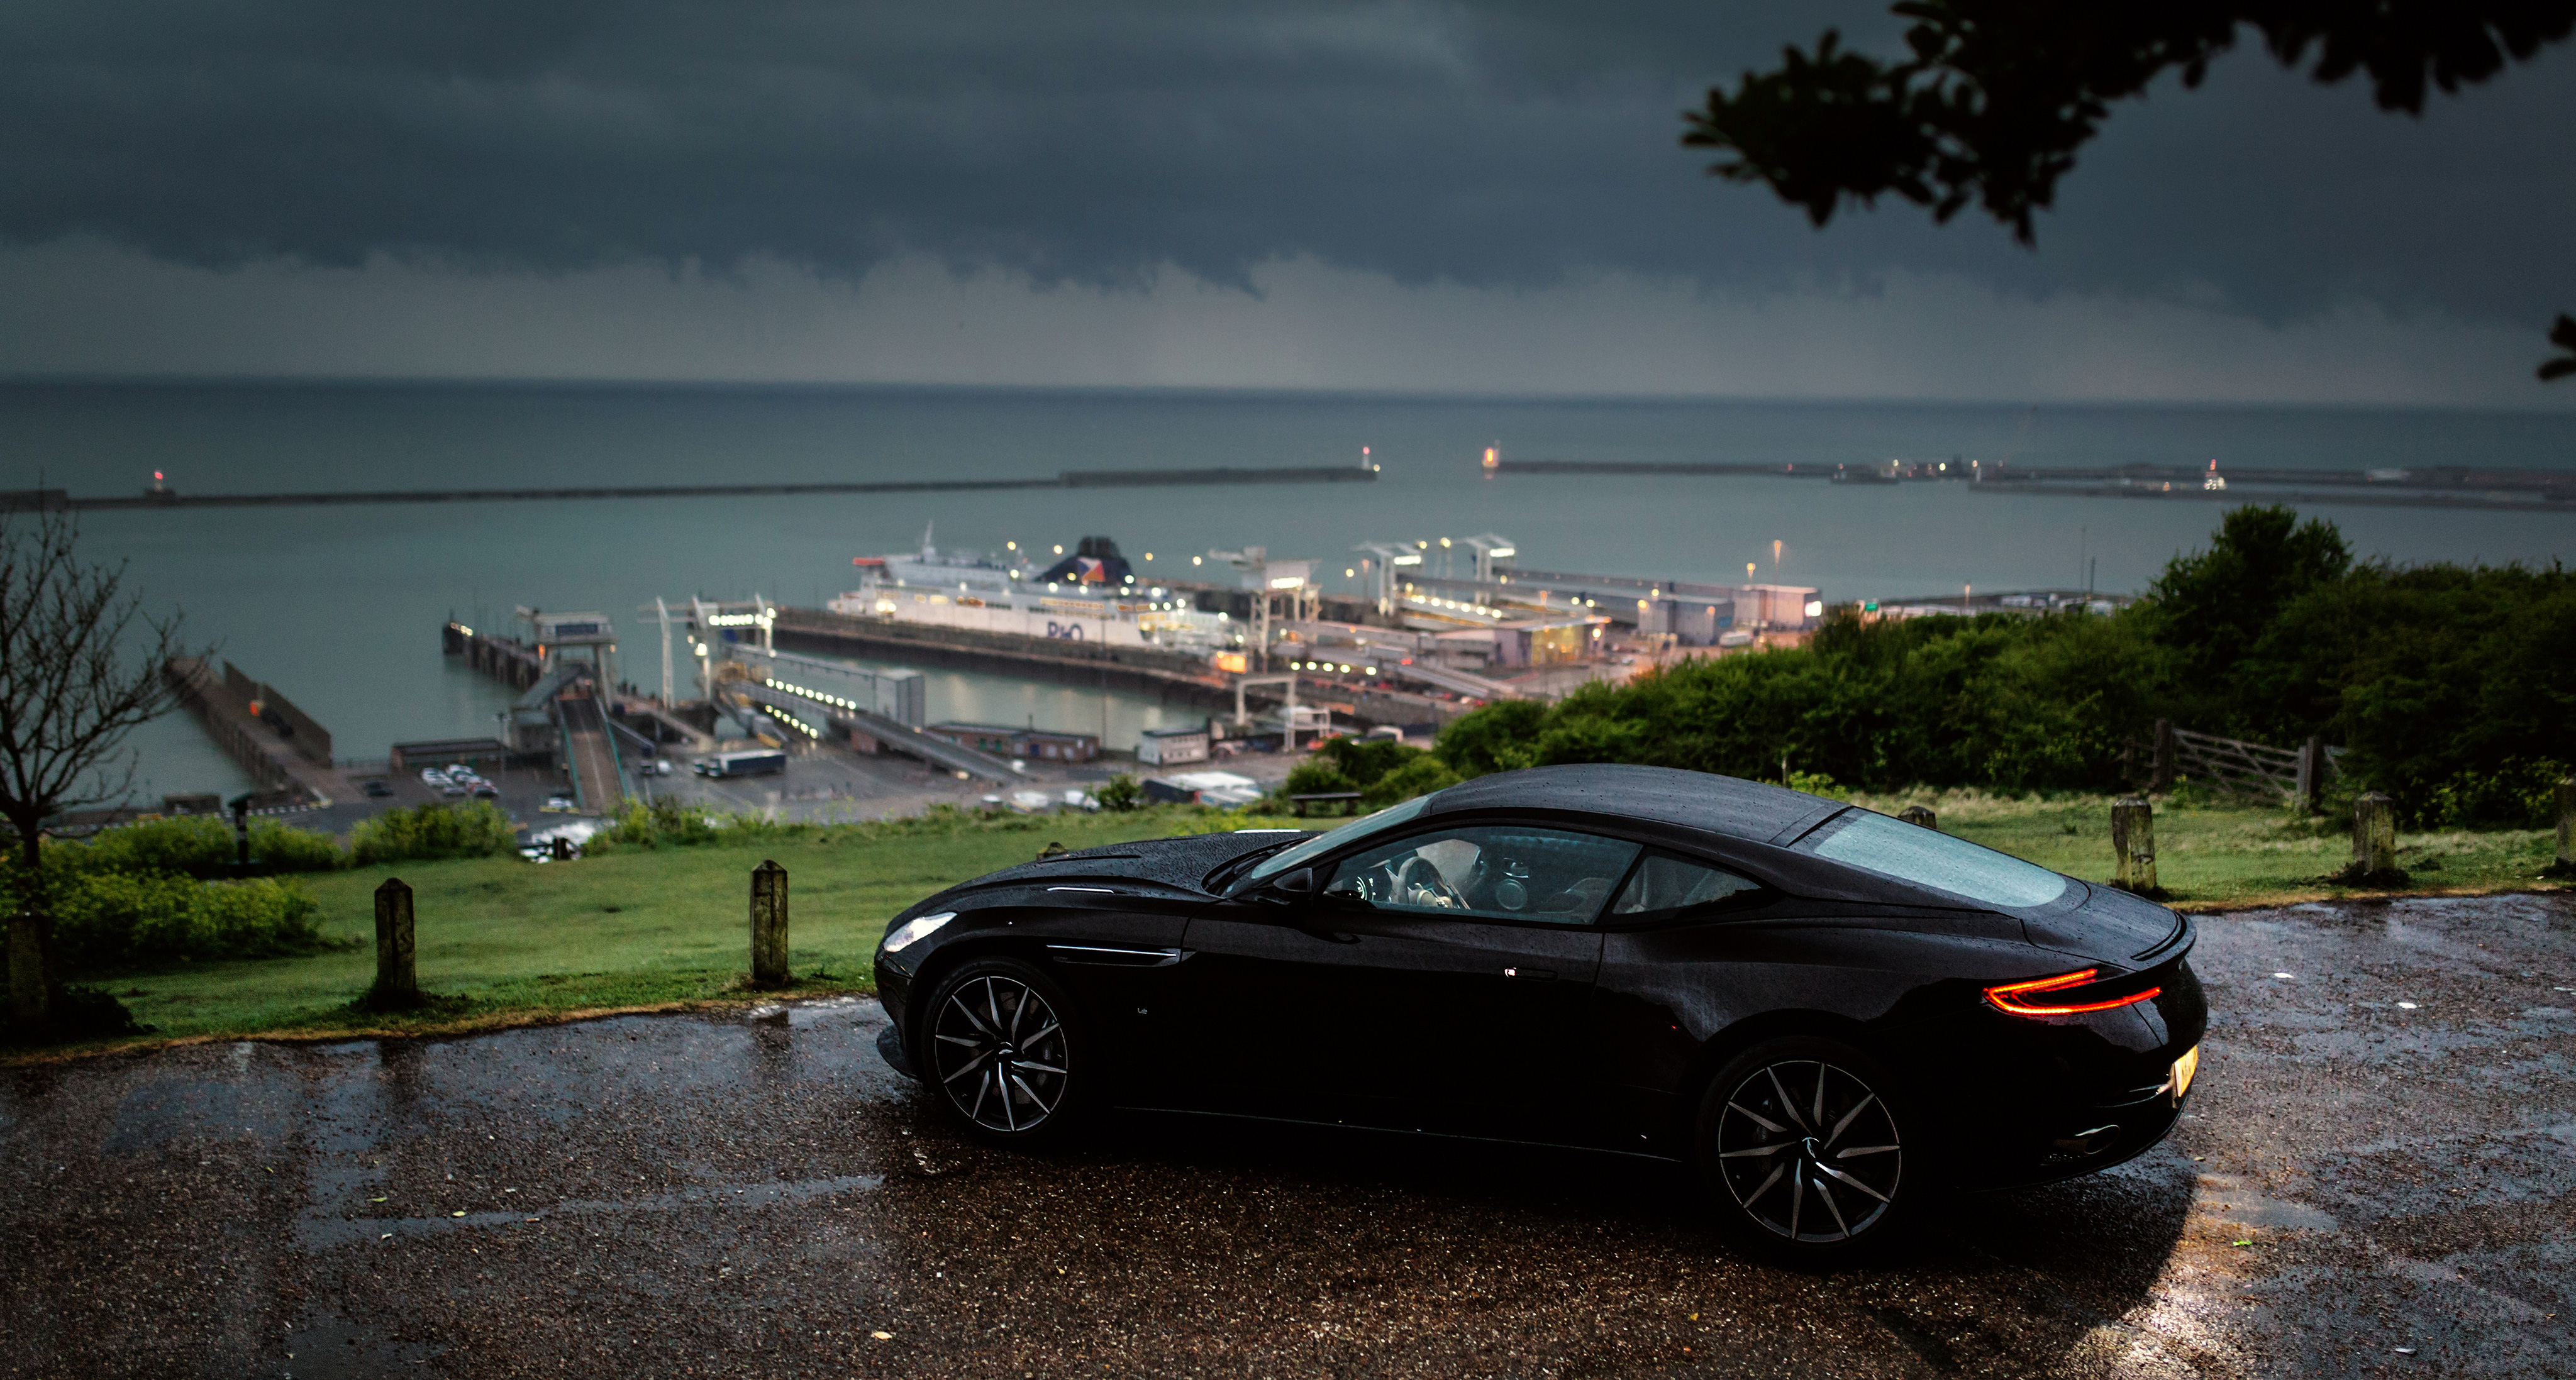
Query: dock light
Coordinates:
[1349,574]
[1194,560]
[1444,543]
[1059,550]
[1346,670]
[1149,555]
[1368,670]
[1010,546]
[1491,459]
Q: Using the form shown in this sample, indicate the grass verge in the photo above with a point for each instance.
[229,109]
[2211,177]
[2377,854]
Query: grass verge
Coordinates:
[2214,857]
[509,943]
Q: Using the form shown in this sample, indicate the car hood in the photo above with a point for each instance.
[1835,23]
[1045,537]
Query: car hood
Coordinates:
[1177,863]
[2108,926]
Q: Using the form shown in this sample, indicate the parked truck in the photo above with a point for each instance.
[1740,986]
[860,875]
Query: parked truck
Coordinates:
[748,762]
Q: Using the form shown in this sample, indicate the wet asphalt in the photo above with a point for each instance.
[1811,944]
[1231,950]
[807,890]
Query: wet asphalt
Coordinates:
[2362,1187]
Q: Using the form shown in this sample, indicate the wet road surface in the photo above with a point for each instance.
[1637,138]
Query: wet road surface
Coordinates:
[2378,1176]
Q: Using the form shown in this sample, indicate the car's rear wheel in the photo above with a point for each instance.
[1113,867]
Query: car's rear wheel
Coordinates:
[1804,1148]
[1003,1047]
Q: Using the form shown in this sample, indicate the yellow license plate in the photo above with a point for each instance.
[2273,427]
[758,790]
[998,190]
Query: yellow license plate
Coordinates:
[2183,1069]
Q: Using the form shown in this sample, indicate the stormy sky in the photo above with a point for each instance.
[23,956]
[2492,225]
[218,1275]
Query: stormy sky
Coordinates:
[1480,197]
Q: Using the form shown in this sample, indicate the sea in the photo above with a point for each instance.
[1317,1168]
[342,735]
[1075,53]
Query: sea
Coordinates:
[339,608]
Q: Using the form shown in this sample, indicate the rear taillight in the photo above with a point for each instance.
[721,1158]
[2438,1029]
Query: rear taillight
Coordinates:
[2063,995]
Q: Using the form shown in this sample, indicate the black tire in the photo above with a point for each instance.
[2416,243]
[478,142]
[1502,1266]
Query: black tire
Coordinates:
[1002,1047]
[1808,1152]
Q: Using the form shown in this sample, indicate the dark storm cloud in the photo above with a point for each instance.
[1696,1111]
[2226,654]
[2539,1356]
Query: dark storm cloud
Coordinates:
[1490,145]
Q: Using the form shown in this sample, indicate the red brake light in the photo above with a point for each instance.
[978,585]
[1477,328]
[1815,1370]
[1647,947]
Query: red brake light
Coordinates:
[2015,997]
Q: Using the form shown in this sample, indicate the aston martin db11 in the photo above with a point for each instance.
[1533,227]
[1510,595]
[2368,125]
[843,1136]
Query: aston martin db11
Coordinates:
[1826,1012]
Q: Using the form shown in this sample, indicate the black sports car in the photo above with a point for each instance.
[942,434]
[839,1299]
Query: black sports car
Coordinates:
[1827,1011]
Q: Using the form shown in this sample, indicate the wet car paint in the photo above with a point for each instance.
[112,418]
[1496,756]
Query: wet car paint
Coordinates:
[1599,1035]
[757,1195]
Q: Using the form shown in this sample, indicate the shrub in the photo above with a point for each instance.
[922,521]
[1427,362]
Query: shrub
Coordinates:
[1120,794]
[1421,775]
[122,919]
[1316,776]
[428,832]
[664,823]
[197,846]
[284,848]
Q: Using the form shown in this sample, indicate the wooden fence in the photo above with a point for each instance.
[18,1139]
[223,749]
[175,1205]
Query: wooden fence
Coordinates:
[2294,776]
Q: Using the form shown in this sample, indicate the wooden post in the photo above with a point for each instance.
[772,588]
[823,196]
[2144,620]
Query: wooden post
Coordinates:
[769,925]
[2133,841]
[2374,835]
[2567,824]
[2312,775]
[2162,779]
[30,991]
[1916,814]
[397,979]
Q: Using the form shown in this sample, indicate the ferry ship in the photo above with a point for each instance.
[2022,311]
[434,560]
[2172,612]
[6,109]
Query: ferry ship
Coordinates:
[1092,595]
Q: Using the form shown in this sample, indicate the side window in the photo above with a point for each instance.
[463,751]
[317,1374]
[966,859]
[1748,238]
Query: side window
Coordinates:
[1666,885]
[1503,872]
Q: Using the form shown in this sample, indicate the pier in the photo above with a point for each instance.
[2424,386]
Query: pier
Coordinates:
[58,500]
[281,747]
[2421,486]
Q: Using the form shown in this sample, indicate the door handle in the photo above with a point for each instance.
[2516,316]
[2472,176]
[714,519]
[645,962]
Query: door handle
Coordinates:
[1328,936]
[1531,974]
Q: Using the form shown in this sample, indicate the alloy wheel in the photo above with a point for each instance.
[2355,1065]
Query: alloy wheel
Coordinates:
[1809,1151]
[1000,1054]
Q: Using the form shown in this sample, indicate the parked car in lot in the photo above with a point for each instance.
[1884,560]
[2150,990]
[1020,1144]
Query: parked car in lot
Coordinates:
[1828,1013]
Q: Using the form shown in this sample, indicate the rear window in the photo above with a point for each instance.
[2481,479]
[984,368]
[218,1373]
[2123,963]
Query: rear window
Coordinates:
[1927,857]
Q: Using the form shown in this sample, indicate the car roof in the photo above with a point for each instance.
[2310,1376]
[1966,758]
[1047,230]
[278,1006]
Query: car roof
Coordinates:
[1704,801]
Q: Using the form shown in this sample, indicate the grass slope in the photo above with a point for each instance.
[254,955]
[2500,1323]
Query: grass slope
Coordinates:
[514,942]
[2229,857]
[628,929]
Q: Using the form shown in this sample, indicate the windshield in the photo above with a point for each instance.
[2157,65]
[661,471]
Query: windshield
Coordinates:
[1316,847]
[1928,857]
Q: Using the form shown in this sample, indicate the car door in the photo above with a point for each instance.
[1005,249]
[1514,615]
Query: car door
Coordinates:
[1437,981]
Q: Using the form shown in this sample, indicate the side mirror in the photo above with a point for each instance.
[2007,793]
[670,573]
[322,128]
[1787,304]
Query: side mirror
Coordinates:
[1296,884]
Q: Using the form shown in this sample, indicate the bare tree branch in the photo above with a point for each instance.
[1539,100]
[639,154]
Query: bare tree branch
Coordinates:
[81,667]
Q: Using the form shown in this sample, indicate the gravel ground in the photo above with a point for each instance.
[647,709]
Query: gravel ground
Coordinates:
[2362,1187]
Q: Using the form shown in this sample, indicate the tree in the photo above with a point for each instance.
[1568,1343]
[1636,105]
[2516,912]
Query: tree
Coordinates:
[1999,94]
[80,668]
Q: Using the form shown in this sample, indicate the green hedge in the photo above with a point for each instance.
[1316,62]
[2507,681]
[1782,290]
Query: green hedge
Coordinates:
[2452,688]
[128,919]
[195,846]
[476,829]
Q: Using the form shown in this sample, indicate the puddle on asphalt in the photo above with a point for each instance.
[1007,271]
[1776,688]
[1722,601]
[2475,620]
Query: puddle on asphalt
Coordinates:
[322,1233]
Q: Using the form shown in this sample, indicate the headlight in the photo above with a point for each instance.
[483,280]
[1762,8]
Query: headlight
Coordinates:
[916,929]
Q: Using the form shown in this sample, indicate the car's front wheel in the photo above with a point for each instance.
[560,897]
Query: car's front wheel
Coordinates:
[1003,1049]
[1803,1152]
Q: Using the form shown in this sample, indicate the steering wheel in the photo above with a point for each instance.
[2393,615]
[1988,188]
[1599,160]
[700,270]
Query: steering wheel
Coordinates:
[1442,894]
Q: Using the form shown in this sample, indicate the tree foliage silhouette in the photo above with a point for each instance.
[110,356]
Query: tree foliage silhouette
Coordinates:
[1997,96]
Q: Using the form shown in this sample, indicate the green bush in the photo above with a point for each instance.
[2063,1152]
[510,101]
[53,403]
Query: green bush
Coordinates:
[196,845]
[1120,794]
[2452,688]
[1420,775]
[1316,776]
[664,823]
[428,832]
[126,919]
